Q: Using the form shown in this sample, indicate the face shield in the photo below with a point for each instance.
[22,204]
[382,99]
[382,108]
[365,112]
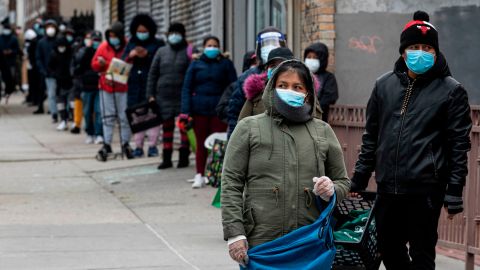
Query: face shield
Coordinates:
[268,41]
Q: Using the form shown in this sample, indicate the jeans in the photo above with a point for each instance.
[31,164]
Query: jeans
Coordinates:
[113,106]
[91,113]
[51,84]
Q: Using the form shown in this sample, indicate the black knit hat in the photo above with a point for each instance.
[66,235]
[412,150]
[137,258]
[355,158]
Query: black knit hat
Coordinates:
[177,27]
[280,53]
[419,31]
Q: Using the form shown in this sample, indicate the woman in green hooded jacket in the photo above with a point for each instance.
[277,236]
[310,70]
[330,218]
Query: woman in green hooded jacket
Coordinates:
[271,160]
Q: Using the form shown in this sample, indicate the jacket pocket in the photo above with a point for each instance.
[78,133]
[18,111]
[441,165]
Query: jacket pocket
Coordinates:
[434,162]
[248,221]
[265,205]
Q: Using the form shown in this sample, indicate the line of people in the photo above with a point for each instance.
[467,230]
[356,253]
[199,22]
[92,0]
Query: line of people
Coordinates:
[183,81]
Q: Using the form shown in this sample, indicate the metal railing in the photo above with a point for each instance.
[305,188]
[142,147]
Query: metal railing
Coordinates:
[461,233]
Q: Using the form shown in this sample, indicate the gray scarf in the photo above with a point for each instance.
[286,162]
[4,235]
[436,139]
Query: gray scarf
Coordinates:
[293,114]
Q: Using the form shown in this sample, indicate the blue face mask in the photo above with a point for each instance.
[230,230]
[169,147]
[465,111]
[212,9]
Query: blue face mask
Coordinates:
[419,61]
[292,98]
[174,38]
[114,41]
[211,52]
[69,38]
[269,73]
[143,35]
[95,44]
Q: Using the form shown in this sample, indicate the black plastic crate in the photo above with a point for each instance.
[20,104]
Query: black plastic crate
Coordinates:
[364,254]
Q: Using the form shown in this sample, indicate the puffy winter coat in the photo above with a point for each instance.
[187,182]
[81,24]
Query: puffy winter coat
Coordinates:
[84,71]
[423,149]
[137,80]
[9,42]
[166,76]
[204,83]
[106,51]
[268,170]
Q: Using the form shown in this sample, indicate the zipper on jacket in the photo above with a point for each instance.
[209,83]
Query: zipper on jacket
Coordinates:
[403,113]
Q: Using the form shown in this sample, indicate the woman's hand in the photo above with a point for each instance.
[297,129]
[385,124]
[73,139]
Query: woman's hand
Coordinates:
[238,251]
[323,187]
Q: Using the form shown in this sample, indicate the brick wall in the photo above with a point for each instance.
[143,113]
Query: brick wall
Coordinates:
[318,25]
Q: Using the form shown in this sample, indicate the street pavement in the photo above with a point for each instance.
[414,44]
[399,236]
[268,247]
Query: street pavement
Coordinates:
[62,209]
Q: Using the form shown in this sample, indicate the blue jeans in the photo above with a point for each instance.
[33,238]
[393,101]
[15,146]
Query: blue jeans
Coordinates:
[51,84]
[92,114]
[113,106]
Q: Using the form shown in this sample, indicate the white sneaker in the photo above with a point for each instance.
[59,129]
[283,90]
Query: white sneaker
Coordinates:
[72,126]
[99,140]
[89,140]
[191,180]
[62,126]
[198,181]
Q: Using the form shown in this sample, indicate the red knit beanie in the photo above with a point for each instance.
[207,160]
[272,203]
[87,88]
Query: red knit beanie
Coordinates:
[419,31]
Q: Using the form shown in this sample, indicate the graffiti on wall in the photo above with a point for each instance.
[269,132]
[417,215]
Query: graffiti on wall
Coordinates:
[369,44]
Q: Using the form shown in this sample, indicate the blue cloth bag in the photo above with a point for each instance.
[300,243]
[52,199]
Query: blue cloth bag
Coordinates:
[309,247]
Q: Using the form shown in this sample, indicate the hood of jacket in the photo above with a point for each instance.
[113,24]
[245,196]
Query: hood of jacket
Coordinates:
[439,70]
[147,21]
[268,93]
[321,50]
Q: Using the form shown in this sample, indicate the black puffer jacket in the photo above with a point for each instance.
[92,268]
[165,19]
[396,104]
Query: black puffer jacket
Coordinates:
[424,149]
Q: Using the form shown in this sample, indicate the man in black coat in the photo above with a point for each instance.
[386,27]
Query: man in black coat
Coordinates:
[9,49]
[416,140]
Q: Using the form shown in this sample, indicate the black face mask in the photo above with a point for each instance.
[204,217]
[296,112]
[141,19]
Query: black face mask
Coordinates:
[293,114]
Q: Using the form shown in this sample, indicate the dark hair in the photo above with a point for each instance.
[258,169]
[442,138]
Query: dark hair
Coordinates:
[207,38]
[145,20]
[298,67]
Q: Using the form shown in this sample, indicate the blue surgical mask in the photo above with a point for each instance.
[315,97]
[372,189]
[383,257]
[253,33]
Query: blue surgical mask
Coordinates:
[419,61]
[269,73]
[291,97]
[69,38]
[211,52]
[95,44]
[143,35]
[174,38]
[7,31]
[114,41]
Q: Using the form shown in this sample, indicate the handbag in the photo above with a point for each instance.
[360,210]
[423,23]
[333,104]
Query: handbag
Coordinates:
[143,116]
[307,248]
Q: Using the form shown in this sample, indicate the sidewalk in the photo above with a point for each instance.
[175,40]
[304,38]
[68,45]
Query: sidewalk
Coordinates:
[62,209]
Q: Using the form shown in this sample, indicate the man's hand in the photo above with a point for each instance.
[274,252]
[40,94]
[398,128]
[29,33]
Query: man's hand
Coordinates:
[238,252]
[323,187]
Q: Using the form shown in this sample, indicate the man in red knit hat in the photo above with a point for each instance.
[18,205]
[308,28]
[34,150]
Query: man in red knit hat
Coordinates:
[416,140]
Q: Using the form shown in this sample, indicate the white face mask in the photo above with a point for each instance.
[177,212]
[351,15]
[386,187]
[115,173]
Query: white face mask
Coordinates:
[312,64]
[7,31]
[265,50]
[51,31]
[62,49]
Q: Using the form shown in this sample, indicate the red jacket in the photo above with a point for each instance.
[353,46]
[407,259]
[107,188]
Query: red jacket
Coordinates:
[107,52]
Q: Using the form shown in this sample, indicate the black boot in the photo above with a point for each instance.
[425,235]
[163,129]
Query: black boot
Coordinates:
[183,161]
[103,153]
[127,151]
[167,159]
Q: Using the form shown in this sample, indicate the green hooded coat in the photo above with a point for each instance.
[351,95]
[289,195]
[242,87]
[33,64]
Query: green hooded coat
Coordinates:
[268,170]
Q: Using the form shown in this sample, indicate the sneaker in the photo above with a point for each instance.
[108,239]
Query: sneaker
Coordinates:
[138,152]
[152,151]
[75,130]
[89,140]
[103,153]
[62,126]
[99,140]
[198,181]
